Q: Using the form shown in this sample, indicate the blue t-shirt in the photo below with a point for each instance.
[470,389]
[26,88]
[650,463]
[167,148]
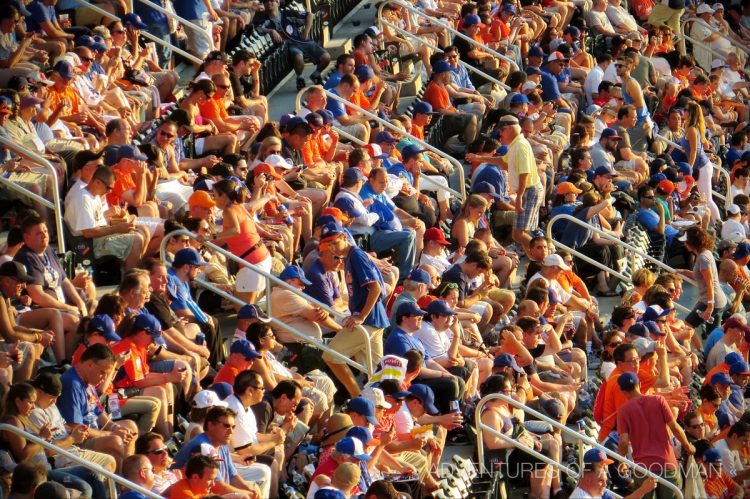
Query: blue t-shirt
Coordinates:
[150,16]
[333,80]
[131,494]
[181,298]
[399,170]
[190,9]
[577,235]
[336,107]
[558,228]
[455,274]
[323,287]
[732,156]
[399,342]
[77,399]
[227,471]
[713,339]
[650,219]
[40,13]
[360,271]
[550,88]
[383,207]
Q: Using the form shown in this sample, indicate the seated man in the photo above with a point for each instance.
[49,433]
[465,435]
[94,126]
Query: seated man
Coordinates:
[113,230]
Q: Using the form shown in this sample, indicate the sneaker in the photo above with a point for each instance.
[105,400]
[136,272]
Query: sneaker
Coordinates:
[301,83]
[316,78]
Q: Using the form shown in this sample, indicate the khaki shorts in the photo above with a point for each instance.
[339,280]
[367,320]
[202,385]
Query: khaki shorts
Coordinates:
[104,460]
[349,344]
[116,245]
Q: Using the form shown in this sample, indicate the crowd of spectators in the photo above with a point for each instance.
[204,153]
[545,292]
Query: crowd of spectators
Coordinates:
[581,108]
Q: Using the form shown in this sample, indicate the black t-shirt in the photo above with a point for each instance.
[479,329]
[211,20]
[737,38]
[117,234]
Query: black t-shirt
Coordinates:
[241,85]
[159,307]
[455,275]
[531,269]
[263,412]
[464,48]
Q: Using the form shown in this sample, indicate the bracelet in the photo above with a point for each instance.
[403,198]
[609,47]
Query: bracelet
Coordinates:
[37,337]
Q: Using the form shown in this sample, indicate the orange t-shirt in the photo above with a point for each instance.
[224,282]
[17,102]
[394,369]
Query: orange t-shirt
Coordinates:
[709,416]
[438,97]
[720,486]
[123,182]
[213,108]
[613,400]
[642,8]
[54,98]
[226,374]
[646,377]
[360,99]
[182,490]
[417,131]
[93,339]
[499,30]
[569,280]
[134,369]
[360,58]
[311,152]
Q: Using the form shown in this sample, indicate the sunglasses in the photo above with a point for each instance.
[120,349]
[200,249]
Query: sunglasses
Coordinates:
[167,135]
[338,258]
[223,87]
[620,66]
[161,450]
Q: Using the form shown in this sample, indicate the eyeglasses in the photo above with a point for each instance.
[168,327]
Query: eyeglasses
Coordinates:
[647,197]
[614,345]
[338,258]
[620,66]
[632,361]
[161,450]
[167,135]
[86,59]
[223,87]
[696,425]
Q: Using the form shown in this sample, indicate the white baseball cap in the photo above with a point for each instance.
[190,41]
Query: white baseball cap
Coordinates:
[555,260]
[376,396]
[207,398]
[278,162]
[704,8]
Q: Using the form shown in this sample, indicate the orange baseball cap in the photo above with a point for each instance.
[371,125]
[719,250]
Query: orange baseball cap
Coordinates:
[335,213]
[267,169]
[201,199]
[567,188]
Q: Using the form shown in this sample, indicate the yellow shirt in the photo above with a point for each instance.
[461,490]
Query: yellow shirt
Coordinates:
[520,159]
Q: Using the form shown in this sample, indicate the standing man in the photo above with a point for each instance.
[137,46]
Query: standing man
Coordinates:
[642,423]
[632,93]
[523,177]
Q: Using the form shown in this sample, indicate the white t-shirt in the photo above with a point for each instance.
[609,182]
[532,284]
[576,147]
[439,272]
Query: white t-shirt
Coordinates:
[440,263]
[733,230]
[730,459]
[563,295]
[591,85]
[597,18]
[620,17]
[246,431]
[436,343]
[84,211]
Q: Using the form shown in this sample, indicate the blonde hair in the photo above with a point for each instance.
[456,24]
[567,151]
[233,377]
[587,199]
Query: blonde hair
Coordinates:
[643,277]
[268,142]
[695,118]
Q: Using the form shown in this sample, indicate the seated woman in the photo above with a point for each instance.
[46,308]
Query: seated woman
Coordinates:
[200,93]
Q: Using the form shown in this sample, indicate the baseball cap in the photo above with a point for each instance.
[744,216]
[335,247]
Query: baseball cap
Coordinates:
[556,56]
[735,322]
[519,99]
[207,398]
[330,231]
[535,51]
[64,69]
[740,368]
[573,31]
[638,329]
[732,209]
[435,234]
[654,312]
[29,101]
[473,20]
[329,494]
[720,379]
[364,407]
[376,396]
[335,213]
[656,178]
[278,161]
[485,188]
[610,133]
[353,447]
[506,360]
[604,170]
[643,346]
[18,83]
[411,151]
[48,382]
[16,271]
[595,456]
[567,188]
[297,122]
[408,309]
[245,348]
[295,272]
[704,8]
[424,394]
[252,312]
[509,7]
[373,32]
[732,358]
[201,199]
[742,250]
[352,175]
[130,152]
[133,20]
[439,307]
[530,85]
[315,119]
[392,388]
[654,328]
[507,120]
[38,78]
[265,168]
[627,381]
[90,42]
[555,260]
[204,184]
[684,168]
[712,456]
[666,186]
[104,325]
[422,107]
[150,324]
[364,73]
[385,136]
[188,256]
[420,276]
[441,67]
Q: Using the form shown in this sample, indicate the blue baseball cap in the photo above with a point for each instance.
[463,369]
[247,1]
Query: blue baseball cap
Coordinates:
[325,220]
[422,107]
[506,360]
[740,368]
[104,325]
[150,324]
[420,276]
[502,150]
[595,456]
[604,170]
[654,312]
[472,20]
[188,256]
[533,70]
[712,456]
[250,311]
[653,328]
[411,151]
[330,230]
[222,389]
[721,379]
[656,178]
[244,347]
[408,309]
[732,358]
[91,43]
[361,433]
[742,250]
[509,7]
[133,20]
[295,272]
[627,381]
[638,329]
[535,51]
[518,99]
[353,447]
[352,175]
[327,116]
[684,168]
[439,307]
[64,69]
[573,31]
[485,188]
[441,67]
[364,73]
[130,152]
[363,406]
[610,133]
[329,494]
[424,394]
[385,136]
[297,122]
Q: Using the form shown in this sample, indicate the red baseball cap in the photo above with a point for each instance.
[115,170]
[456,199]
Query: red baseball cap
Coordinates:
[435,234]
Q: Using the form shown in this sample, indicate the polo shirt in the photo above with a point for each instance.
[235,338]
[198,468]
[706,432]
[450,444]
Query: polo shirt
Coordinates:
[77,398]
[226,374]
[336,107]
[521,160]
[182,490]
[246,431]
[360,271]
[399,342]
[227,471]
[179,291]
[550,87]
[323,287]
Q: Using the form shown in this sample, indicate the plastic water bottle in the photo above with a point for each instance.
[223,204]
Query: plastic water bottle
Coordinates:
[200,339]
[285,214]
[80,269]
[113,404]
[91,420]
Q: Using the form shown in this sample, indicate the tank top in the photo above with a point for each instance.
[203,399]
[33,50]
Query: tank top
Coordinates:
[248,238]
[701,159]
[640,112]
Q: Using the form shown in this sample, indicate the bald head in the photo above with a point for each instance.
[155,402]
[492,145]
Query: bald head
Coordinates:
[528,308]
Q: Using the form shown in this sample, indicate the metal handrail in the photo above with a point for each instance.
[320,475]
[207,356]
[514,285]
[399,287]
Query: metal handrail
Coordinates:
[610,237]
[689,20]
[422,143]
[727,199]
[175,49]
[369,369]
[564,429]
[437,22]
[55,204]
[469,67]
[81,462]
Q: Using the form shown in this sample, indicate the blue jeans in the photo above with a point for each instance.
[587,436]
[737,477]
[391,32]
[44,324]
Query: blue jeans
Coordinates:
[400,240]
[87,482]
